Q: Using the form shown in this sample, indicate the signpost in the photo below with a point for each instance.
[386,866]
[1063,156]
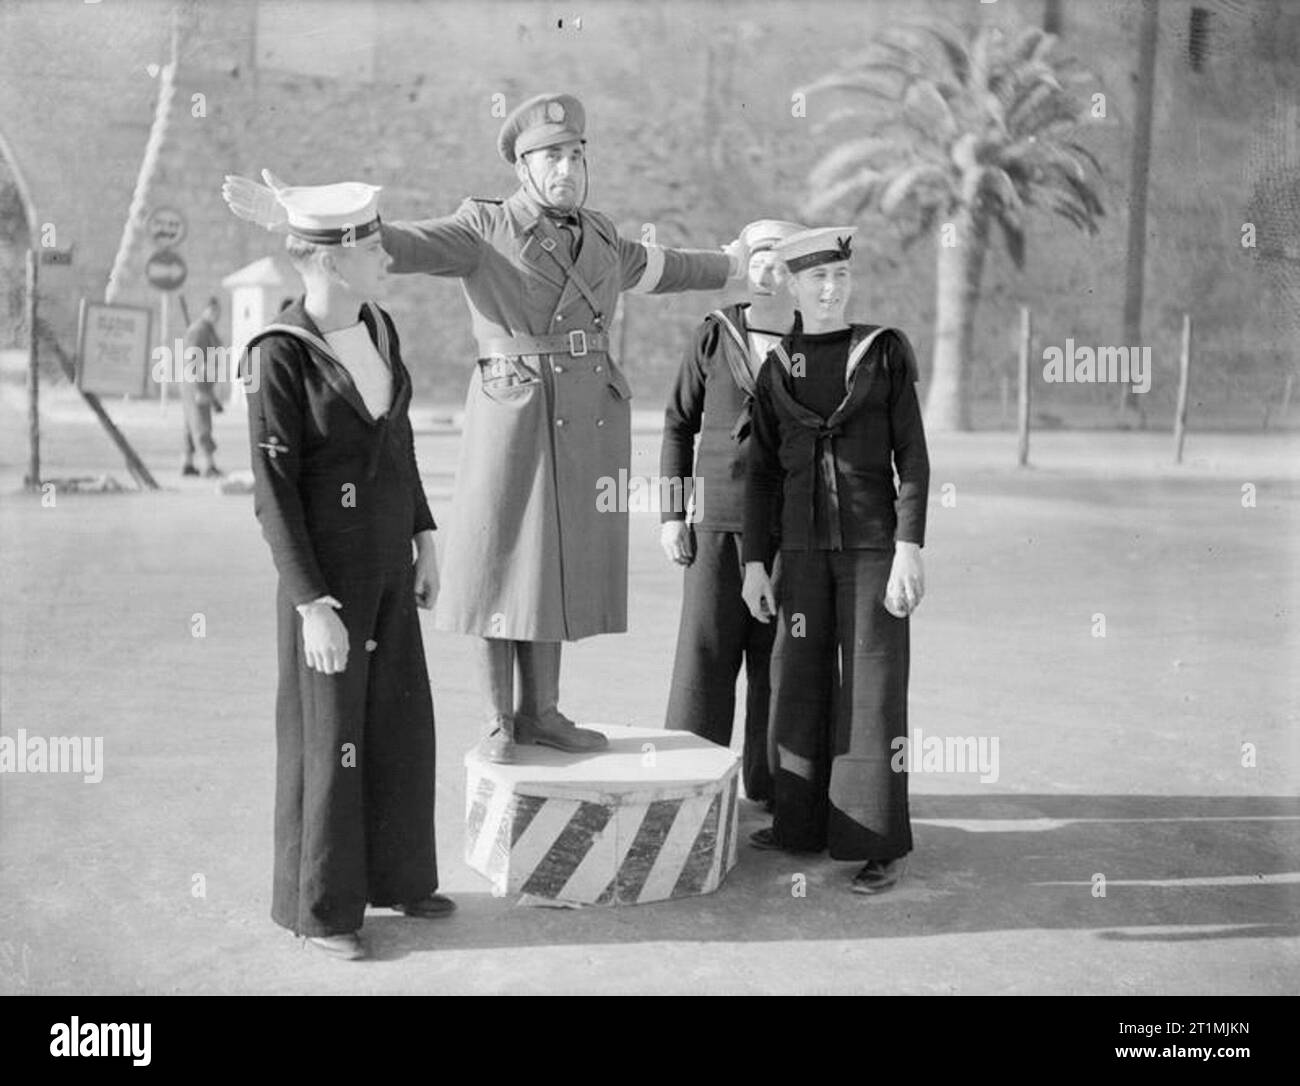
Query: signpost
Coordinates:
[165,269]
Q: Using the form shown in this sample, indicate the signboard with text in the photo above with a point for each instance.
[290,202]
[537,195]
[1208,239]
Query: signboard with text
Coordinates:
[113,349]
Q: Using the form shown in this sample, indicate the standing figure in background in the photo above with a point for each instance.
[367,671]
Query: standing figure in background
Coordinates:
[199,398]
[713,397]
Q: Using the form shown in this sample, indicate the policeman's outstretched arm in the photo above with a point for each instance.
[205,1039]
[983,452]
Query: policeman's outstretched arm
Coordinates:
[452,245]
[656,269]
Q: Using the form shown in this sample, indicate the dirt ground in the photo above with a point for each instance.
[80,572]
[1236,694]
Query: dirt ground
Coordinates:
[1120,755]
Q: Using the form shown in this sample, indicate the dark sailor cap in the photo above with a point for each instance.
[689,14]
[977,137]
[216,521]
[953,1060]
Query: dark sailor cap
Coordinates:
[542,121]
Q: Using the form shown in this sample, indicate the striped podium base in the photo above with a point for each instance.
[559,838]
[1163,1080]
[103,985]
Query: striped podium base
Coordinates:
[652,817]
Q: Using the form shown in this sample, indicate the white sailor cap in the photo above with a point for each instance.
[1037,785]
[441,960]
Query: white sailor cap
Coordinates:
[765,233]
[823,245]
[331,214]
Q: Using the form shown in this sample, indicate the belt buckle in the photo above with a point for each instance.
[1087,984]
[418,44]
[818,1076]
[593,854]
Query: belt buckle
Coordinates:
[577,343]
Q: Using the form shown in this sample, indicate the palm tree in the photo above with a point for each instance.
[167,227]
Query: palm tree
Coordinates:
[967,131]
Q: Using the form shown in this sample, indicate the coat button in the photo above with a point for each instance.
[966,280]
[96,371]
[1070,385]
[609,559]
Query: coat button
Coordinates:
[559,369]
[600,422]
[559,422]
[559,316]
[600,369]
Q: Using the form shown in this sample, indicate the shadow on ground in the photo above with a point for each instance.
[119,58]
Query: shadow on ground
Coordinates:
[981,864]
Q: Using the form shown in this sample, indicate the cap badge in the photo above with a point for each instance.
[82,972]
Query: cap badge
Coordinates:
[555,111]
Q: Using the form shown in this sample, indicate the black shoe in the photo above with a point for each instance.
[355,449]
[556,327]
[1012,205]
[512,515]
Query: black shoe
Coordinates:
[877,876]
[428,908]
[498,745]
[189,469]
[554,729]
[212,472]
[767,840]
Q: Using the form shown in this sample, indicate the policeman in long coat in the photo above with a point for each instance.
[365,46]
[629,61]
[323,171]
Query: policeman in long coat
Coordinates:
[531,560]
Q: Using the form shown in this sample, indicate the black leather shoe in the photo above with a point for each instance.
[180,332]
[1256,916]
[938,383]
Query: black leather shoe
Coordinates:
[498,745]
[877,877]
[189,469]
[428,908]
[554,729]
[767,840]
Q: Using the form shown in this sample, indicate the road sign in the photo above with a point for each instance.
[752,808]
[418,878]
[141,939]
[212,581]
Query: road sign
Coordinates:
[166,270]
[167,227]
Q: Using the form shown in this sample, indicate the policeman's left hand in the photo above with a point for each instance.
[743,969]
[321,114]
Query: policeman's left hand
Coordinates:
[906,585]
[739,253]
[426,577]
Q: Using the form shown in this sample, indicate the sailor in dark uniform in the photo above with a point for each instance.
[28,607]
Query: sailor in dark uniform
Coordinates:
[712,398]
[835,416]
[340,501]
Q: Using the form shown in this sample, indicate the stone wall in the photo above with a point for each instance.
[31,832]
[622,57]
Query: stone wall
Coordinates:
[691,131]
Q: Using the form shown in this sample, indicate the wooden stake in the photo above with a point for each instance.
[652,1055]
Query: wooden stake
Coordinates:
[165,329]
[1184,368]
[1026,331]
[33,478]
[134,464]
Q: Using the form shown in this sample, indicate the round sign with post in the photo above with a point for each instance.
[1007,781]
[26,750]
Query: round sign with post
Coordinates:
[166,227]
[166,270]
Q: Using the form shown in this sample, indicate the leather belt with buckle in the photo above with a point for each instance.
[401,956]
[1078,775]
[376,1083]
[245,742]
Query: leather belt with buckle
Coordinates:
[577,343]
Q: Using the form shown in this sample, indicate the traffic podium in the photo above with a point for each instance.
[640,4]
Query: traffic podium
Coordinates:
[652,817]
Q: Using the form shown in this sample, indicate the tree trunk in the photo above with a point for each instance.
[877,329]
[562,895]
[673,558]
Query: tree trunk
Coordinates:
[1053,17]
[947,406]
[1137,194]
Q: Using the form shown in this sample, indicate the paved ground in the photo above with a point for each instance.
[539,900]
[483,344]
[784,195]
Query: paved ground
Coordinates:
[1119,756]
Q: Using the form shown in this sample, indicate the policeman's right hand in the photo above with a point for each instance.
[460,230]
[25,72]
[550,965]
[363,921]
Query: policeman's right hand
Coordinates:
[324,639]
[675,538]
[757,592]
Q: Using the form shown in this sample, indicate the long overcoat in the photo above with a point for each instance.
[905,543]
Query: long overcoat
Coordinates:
[535,549]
